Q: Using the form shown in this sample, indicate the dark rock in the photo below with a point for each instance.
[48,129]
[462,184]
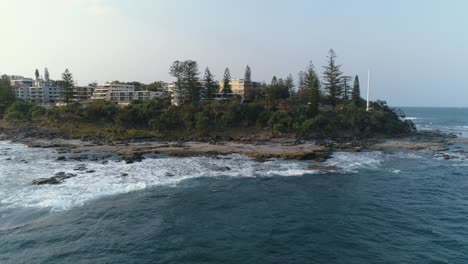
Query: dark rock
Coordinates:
[124,175]
[323,168]
[61,158]
[81,167]
[105,162]
[90,171]
[57,179]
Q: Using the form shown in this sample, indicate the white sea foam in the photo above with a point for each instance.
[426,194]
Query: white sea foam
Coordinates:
[352,162]
[28,164]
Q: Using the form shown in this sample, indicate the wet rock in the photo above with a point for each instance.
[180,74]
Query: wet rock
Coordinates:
[323,168]
[124,175]
[57,179]
[105,162]
[90,171]
[61,158]
[81,167]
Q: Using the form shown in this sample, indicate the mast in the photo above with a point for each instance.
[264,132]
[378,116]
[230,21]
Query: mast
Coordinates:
[368,90]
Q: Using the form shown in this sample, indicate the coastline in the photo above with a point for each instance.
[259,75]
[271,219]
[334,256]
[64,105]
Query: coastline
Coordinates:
[255,147]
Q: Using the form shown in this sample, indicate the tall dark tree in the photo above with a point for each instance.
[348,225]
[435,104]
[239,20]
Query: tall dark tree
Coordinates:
[332,78]
[356,94]
[274,81]
[227,89]
[46,75]
[191,81]
[36,73]
[345,82]
[7,96]
[211,86]
[68,86]
[312,84]
[248,75]
[176,71]
[290,84]
[301,82]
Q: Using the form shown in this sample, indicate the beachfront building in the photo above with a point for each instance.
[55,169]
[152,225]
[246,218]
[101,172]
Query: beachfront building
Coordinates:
[122,93]
[239,87]
[83,93]
[36,91]
[21,86]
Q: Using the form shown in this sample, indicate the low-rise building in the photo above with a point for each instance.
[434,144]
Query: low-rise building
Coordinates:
[83,93]
[121,93]
[21,86]
[239,87]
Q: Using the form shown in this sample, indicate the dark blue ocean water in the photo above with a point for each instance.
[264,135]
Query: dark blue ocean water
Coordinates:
[380,207]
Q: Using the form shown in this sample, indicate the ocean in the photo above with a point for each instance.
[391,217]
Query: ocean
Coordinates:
[378,207]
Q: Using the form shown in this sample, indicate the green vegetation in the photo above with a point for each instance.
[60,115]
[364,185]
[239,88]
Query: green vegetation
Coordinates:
[68,85]
[277,109]
[7,96]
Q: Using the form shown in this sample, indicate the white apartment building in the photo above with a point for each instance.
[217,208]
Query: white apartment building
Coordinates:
[21,86]
[121,93]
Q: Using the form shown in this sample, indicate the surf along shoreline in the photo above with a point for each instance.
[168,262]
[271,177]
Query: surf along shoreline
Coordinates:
[257,147]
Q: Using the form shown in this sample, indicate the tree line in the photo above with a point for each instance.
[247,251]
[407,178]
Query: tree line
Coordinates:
[326,106]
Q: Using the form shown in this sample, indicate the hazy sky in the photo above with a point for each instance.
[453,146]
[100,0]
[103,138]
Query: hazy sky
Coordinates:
[417,50]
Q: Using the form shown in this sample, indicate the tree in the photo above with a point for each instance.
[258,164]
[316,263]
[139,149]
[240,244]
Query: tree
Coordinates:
[176,71]
[68,86]
[332,78]
[301,81]
[290,84]
[211,87]
[7,96]
[227,83]
[191,80]
[248,75]
[356,94]
[46,75]
[154,86]
[36,73]
[312,85]
[346,87]
[274,81]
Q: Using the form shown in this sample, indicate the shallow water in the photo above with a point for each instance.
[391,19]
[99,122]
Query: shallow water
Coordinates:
[378,207]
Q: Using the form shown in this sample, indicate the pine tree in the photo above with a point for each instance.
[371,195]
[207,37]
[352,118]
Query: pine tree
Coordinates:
[46,75]
[36,73]
[176,71]
[356,94]
[312,85]
[211,87]
[227,83]
[346,87]
[274,81]
[290,85]
[68,86]
[332,78]
[248,75]
[191,81]
[301,82]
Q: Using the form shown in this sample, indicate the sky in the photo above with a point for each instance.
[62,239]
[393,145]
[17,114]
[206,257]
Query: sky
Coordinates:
[416,50]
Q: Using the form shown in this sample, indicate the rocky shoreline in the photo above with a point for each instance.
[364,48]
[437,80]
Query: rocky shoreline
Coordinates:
[262,149]
[256,148]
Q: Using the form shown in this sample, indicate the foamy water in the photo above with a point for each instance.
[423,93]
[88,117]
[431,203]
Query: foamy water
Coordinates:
[20,165]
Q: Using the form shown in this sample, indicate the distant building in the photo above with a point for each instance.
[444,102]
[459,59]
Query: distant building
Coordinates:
[21,86]
[121,93]
[239,87]
[36,91]
[83,93]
